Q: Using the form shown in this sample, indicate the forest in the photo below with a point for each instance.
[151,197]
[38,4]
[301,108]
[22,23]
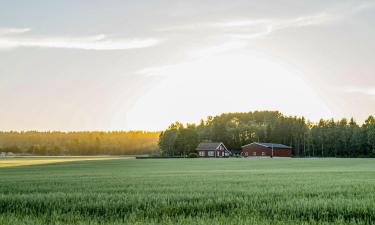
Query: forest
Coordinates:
[326,138]
[79,143]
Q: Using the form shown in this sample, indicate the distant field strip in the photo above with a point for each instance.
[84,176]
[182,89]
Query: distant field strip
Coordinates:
[11,162]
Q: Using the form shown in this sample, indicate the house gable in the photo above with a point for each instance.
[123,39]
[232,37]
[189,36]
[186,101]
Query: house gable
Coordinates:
[213,149]
[211,146]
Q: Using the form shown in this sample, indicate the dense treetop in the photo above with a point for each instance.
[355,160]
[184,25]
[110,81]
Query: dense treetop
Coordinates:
[79,143]
[327,138]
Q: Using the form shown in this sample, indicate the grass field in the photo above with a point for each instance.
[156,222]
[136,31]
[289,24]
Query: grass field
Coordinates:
[190,191]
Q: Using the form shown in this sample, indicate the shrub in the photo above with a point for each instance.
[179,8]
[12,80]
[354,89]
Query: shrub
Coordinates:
[193,155]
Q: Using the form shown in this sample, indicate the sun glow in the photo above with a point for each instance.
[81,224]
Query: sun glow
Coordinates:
[191,91]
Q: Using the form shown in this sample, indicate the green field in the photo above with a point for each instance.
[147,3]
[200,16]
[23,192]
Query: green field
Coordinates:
[190,191]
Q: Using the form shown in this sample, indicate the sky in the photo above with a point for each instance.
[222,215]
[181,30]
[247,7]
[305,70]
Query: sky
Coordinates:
[141,65]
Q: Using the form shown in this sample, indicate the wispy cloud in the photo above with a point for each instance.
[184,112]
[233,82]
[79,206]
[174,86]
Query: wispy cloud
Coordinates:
[252,29]
[318,19]
[230,34]
[10,31]
[16,37]
[259,27]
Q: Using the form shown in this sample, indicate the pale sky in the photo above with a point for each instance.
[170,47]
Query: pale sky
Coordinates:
[124,65]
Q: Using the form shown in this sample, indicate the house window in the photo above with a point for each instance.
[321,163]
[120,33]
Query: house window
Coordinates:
[201,153]
[211,153]
[254,153]
[263,153]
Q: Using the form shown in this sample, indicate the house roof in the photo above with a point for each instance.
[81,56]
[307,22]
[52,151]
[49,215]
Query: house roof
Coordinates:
[269,145]
[209,146]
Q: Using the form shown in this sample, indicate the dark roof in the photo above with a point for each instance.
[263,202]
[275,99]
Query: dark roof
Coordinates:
[270,145]
[209,146]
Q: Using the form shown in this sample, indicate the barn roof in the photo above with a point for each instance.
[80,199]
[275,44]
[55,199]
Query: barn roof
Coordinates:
[270,145]
[209,146]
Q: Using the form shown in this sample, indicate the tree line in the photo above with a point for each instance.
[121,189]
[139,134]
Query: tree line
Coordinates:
[327,138]
[79,143]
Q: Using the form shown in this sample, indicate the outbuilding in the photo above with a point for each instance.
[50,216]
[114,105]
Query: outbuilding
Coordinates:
[266,149]
[210,149]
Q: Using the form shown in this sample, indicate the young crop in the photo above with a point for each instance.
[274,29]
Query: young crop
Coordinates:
[190,191]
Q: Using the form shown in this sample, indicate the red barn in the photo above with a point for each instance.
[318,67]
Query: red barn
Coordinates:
[266,149]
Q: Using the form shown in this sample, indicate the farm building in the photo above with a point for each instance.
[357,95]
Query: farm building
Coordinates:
[212,150]
[266,149]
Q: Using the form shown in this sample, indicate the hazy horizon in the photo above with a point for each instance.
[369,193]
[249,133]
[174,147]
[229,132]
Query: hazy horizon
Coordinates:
[125,65]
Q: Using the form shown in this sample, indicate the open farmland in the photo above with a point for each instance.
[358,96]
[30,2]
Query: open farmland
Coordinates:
[190,191]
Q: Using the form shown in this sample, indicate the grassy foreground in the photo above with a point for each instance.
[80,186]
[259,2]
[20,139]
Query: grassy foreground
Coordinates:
[190,191]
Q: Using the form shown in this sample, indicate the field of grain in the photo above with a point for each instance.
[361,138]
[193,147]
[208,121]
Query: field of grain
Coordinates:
[190,191]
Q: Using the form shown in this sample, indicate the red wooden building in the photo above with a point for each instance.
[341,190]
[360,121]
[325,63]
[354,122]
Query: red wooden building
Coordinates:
[212,150]
[266,149]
